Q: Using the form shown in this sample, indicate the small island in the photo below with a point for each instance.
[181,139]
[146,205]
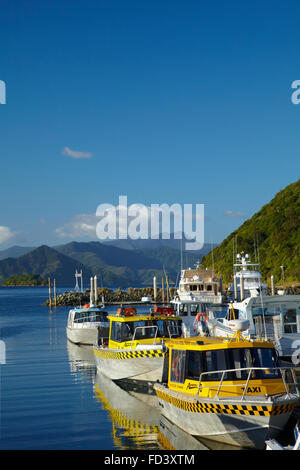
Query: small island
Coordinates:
[25,280]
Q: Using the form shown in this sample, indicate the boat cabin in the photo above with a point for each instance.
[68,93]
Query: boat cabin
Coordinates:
[213,367]
[89,315]
[200,284]
[129,329]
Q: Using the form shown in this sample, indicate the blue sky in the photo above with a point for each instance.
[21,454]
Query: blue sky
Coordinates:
[173,101]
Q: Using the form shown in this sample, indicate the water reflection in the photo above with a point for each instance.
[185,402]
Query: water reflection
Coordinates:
[82,363]
[137,422]
[134,414]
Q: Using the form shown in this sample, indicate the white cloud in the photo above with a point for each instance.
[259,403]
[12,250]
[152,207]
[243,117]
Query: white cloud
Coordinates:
[75,153]
[80,226]
[236,214]
[6,234]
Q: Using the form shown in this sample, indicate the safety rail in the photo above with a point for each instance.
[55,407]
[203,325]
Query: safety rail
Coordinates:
[177,330]
[245,385]
[143,328]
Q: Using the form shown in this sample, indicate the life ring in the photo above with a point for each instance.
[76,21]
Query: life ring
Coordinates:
[201,316]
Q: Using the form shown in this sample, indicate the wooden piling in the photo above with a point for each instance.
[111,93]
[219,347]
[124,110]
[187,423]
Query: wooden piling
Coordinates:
[54,291]
[50,299]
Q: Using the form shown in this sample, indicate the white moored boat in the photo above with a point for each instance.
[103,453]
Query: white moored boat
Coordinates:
[199,290]
[86,323]
[247,280]
[275,317]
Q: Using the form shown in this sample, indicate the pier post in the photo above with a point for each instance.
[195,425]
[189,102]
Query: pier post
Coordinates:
[96,290]
[234,287]
[167,288]
[92,292]
[154,289]
[242,288]
[272,285]
[50,299]
[54,291]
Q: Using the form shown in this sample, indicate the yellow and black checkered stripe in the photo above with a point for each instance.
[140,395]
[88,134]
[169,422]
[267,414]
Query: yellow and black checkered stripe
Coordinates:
[198,407]
[130,354]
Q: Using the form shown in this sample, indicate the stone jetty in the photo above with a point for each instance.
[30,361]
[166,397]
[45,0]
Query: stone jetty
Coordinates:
[113,297]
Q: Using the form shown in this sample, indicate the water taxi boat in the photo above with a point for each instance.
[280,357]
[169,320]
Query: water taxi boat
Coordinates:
[227,390]
[86,323]
[136,346]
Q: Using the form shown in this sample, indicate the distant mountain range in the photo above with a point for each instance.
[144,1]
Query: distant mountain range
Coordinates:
[273,234]
[114,266]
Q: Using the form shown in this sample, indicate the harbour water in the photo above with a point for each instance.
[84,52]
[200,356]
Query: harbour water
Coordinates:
[52,397]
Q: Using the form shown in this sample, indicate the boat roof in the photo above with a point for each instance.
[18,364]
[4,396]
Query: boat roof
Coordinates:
[202,343]
[206,275]
[142,316]
[88,309]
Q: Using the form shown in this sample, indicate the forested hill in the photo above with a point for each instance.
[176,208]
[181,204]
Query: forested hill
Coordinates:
[276,229]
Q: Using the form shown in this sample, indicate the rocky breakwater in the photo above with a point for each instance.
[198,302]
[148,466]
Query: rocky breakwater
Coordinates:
[112,297]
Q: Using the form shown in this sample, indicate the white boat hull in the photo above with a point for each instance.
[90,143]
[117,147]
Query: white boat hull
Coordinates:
[82,335]
[247,425]
[138,364]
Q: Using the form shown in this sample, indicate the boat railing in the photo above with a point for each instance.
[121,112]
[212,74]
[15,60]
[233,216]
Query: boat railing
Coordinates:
[143,336]
[286,373]
[174,330]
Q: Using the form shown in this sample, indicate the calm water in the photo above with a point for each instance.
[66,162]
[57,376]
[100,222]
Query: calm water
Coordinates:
[52,396]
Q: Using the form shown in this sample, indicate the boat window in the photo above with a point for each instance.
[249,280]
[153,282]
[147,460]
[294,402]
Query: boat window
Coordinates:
[290,321]
[268,358]
[201,287]
[208,287]
[194,364]
[193,287]
[183,310]
[126,331]
[233,313]
[253,357]
[78,317]
[116,331]
[172,328]
[228,359]
[214,361]
[194,309]
[240,359]
[177,373]
[169,328]
[144,329]
[90,316]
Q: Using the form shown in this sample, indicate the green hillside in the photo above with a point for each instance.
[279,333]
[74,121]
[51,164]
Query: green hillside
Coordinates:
[127,267]
[114,266]
[276,229]
[44,261]
[25,280]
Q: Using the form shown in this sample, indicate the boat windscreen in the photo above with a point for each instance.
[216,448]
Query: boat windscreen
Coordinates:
[236,362]
[145,329]
[90,316]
